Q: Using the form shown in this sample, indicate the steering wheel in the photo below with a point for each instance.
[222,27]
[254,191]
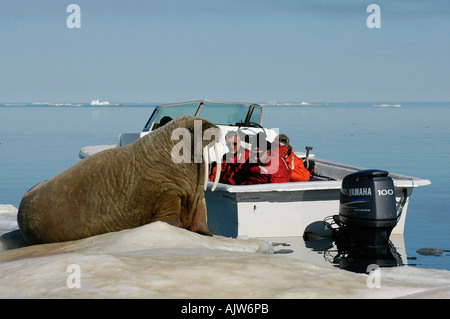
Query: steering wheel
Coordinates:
[249,124]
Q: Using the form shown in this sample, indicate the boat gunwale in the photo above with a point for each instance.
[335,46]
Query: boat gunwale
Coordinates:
[400,181]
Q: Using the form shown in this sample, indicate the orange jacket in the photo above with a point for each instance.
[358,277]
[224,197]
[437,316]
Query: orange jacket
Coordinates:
[298,171]
[275,171]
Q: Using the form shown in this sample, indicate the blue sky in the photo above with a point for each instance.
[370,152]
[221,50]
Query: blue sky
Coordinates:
[246,50]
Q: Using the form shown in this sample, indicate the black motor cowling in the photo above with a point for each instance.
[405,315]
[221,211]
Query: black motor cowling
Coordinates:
[367,207]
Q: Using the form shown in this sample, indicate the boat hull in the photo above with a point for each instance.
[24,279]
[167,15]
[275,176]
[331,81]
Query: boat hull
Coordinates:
[276,213]
[290,209]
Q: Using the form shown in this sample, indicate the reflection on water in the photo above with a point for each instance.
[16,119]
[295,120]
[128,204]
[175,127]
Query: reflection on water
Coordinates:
[325,251]
[359,259]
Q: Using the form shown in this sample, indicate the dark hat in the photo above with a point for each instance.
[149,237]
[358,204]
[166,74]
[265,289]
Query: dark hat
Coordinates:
[283,139]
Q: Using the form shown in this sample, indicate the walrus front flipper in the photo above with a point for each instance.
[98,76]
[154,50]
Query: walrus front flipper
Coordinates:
[12,240]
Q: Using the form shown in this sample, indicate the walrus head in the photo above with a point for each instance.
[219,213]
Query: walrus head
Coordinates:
[191,141]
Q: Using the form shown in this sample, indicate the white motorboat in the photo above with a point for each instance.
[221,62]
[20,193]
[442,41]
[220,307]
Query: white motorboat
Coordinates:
[269,210]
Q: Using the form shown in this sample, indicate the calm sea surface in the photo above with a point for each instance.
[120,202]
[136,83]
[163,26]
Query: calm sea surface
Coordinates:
[40,141]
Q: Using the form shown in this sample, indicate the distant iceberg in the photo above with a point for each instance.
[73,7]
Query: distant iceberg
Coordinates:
[388,105]
[303,103]
[97,102]
[55,104]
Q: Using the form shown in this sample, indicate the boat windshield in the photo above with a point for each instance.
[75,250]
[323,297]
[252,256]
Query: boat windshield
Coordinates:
[224,113]
[172,112]
[221,113]
[177,111]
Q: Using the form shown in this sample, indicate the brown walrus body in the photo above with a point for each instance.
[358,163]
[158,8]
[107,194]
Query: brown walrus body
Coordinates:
[118,189]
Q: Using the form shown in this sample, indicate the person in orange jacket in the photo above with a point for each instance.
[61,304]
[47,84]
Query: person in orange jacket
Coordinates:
[298,171]
[231,161]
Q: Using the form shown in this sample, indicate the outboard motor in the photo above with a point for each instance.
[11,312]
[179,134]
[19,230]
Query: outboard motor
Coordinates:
[367,210]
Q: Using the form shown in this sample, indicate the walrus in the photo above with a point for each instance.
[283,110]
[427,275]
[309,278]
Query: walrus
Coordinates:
[126,187]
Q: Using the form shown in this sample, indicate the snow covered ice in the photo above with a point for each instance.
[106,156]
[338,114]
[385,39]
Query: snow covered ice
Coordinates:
[161,261]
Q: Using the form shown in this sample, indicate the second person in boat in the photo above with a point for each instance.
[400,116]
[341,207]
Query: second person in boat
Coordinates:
[298,171]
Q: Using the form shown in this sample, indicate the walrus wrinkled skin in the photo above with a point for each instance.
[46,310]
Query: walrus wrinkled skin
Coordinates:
[121,188]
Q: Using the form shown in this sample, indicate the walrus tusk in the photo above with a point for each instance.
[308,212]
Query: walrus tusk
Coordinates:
[206,160]
[219,167]
[218,170]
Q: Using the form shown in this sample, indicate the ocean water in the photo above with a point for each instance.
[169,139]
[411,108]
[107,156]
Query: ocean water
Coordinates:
[40,141]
